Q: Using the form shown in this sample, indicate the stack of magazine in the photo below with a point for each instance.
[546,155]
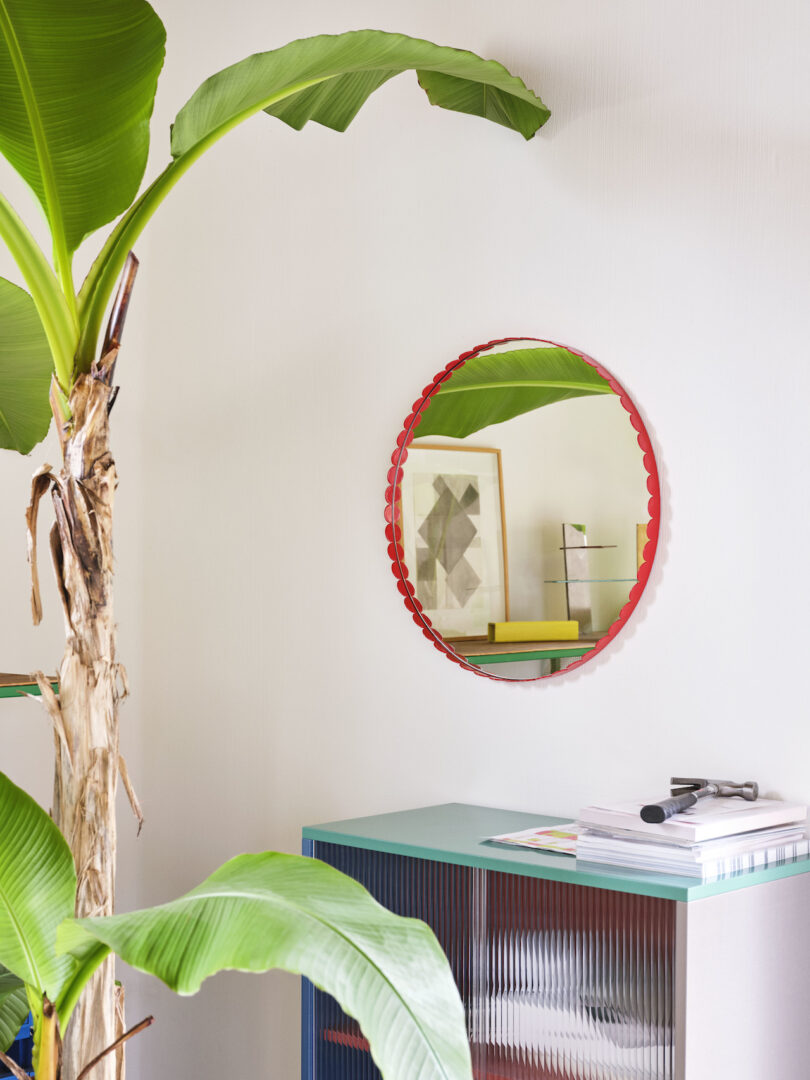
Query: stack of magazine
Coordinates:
[714,839]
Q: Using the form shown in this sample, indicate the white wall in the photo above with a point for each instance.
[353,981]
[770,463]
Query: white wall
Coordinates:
[295,295]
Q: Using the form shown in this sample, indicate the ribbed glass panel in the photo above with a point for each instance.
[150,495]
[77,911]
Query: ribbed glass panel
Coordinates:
[580,982]
[560,982]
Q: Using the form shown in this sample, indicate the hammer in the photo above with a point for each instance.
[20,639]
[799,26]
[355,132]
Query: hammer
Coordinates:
[686,790]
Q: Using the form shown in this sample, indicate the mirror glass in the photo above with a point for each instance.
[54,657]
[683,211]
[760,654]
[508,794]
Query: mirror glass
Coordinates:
[523,509]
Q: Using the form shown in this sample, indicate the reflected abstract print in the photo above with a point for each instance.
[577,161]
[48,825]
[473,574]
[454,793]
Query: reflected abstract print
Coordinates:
[453,535]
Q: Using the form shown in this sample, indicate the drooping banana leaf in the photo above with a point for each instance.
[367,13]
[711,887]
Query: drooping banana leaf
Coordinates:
[326,79]
[13,1007]
[77,83]
[283,911]
[25,371]
[495,387]
[37,892]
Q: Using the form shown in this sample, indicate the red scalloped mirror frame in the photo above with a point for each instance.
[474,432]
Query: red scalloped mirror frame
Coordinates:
[392,510]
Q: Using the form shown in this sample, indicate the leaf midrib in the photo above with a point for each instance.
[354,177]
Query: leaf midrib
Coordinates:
[352,945]
[52,200]
[507,384]
[29,955]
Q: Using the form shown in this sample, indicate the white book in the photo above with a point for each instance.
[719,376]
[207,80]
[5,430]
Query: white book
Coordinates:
[599,839]
[707,820]
[593,845]
[676,860]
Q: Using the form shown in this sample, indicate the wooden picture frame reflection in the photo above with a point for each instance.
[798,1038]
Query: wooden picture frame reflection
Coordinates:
[454,536]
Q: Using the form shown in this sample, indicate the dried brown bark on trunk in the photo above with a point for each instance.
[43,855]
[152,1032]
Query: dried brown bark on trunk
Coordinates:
[86,730]
[91,681]
[85,714]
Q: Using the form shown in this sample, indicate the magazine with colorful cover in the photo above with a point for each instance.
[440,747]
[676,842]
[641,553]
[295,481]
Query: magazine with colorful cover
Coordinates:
[561,839]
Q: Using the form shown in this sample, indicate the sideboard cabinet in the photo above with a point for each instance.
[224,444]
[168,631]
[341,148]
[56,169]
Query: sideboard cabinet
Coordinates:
[577,972]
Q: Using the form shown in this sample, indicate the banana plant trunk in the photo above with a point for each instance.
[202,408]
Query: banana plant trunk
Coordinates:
[91,685]
[86,711]
[86,767]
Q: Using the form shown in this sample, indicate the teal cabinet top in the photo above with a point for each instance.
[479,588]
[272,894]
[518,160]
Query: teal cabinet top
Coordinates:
[457,833]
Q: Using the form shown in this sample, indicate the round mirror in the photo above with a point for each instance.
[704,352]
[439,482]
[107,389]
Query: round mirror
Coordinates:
[523,509]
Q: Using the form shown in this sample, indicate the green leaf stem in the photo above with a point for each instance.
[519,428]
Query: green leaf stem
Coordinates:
[325,79]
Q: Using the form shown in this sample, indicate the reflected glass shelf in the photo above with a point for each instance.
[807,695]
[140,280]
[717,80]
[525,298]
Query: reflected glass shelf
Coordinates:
[586,581]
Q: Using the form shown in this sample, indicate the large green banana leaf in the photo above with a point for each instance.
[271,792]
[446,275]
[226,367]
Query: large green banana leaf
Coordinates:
[37,892]
[77,84]
[13,1007]
[495,387]
[326,79]
[25,371]
[255,913]
[284,911]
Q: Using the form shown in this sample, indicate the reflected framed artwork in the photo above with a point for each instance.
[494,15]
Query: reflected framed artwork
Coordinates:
[454,537]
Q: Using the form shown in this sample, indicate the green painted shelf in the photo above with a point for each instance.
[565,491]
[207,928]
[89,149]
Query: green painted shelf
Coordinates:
[17,685]
[508,652]
[519,657]
[457,833]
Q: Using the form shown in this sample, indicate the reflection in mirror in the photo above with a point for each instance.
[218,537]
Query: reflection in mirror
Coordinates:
[523,509]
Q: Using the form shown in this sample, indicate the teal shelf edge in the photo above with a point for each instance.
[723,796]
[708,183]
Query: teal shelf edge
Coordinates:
[27,688]
[456,833]
[541,654]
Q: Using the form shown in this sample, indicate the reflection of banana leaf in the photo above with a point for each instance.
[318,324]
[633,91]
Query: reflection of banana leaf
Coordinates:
[495,387]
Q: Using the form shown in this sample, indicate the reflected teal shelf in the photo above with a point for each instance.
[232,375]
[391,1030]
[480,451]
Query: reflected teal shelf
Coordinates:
[17,685]
[509,652]
[537,654]
[456,833]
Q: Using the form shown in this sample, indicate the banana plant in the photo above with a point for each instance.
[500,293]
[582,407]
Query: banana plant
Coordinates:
[78,81]
[254,913]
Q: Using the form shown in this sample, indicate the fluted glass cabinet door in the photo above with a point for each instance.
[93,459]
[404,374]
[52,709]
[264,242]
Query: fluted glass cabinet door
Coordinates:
[579,982]
[558,980]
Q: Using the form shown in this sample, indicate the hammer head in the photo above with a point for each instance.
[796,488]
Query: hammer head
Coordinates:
[748,789]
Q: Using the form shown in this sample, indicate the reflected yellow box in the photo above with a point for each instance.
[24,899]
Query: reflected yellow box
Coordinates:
[537,630]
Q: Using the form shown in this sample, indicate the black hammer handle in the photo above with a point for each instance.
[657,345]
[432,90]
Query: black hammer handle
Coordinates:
[657,812]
